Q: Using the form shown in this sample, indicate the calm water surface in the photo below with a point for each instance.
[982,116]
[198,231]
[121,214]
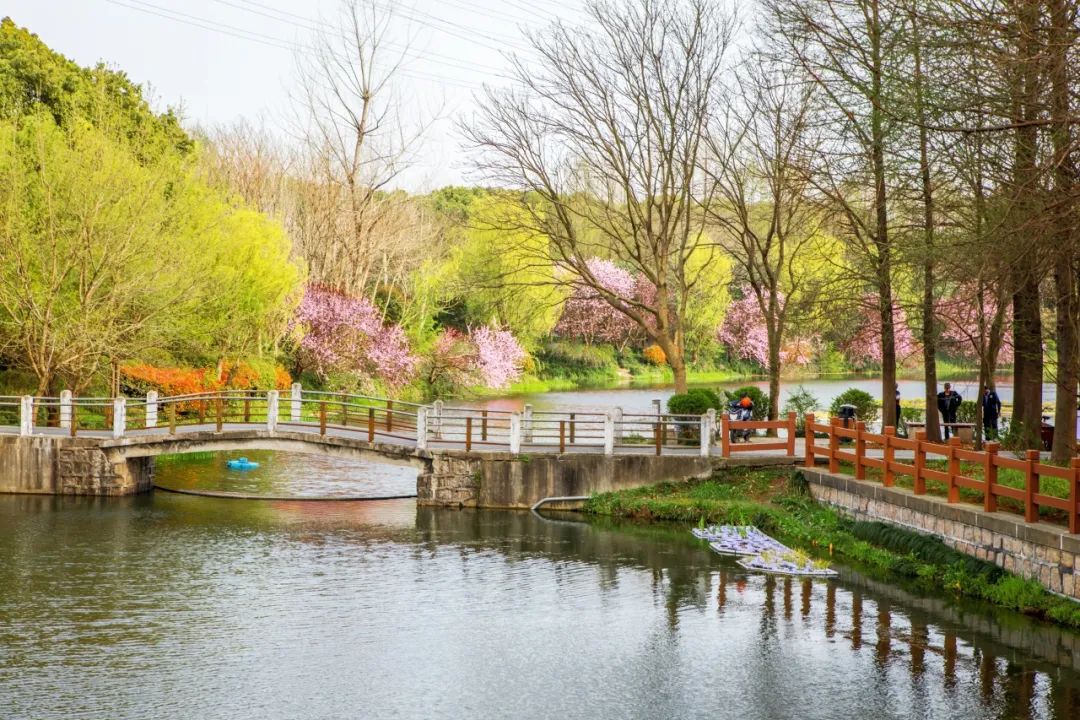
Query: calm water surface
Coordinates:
[825,389]
[172,606]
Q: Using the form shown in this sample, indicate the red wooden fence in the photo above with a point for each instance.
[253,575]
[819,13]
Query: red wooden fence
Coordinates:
[727,425]
[989,459]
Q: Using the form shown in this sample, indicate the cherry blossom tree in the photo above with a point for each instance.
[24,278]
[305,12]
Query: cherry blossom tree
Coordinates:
[863,346]
[499,356]
[743,331]
[485,356]
[967,326]
[746,335]
[340,333]
[588,317]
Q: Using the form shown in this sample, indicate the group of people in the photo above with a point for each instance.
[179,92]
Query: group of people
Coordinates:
[948,402]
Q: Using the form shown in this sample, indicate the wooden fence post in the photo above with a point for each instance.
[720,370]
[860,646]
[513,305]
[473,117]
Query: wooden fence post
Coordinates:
[725,435]
[468,433]
[808,439]
[322,417]
[860,450]
[954,470]
[247,409]
[920,463]
[834,445]
[371,425]
[74,417]
[1031,487]
[562,436]
[658,432]
[791,417]
[990,474]
[1074,497]
[572,429]
[218,412]
[888,478]
[483,425]
[389,415]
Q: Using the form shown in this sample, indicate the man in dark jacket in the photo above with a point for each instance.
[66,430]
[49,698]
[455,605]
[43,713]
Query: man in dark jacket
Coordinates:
[948,402]
[991,407]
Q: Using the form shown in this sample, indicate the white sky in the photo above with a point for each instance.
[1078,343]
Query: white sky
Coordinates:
[223,60]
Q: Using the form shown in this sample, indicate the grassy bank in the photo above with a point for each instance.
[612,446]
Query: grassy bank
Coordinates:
[776,501]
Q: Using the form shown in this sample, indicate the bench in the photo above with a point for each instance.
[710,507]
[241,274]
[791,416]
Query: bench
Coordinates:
[964,431]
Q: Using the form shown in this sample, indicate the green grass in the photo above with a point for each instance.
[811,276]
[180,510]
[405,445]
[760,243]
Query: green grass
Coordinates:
[776,501]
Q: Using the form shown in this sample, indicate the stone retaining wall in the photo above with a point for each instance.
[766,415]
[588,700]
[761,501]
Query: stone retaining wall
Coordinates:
[1038,551]
[502,480]
[68,466]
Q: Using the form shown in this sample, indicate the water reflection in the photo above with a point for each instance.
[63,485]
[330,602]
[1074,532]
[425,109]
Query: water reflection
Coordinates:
[173,606]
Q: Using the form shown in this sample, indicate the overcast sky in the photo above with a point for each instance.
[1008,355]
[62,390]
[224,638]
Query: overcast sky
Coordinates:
[222,60]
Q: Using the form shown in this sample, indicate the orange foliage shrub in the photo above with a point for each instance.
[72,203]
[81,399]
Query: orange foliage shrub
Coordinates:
[654,354]
[168,381]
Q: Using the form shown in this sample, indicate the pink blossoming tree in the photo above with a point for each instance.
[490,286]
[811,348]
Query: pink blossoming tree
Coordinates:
[588,317]
[485,356]
[863,347]
[339,333]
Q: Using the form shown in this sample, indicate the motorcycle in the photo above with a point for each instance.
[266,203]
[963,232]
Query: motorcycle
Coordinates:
[738,413]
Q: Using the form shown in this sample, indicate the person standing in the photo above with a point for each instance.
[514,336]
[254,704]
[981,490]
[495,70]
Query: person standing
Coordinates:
[948,402]
[899,416]
[991,407]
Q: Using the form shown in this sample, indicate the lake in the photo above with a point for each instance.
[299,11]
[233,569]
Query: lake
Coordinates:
[174,606]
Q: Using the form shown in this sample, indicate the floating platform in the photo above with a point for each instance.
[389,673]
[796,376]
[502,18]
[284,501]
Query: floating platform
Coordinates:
[760,552]
[241,464]
[738,540]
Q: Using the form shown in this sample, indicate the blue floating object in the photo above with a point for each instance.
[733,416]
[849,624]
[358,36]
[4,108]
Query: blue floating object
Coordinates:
[241,464]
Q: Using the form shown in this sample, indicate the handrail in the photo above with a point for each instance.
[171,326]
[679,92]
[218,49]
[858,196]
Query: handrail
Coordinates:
[987,461]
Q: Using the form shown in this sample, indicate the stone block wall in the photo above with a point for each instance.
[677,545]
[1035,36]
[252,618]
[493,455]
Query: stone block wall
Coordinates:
[451,481]
[68,466]
[502,480]
[1037,551]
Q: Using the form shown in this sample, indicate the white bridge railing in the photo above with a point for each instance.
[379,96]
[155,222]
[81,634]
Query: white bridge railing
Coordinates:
[373,419]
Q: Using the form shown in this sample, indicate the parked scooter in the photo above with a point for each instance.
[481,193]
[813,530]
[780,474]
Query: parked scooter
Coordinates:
[738,411]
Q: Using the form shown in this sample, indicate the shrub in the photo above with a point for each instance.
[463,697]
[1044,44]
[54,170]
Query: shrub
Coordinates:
[966,412]
[654,354]
[801,402]
[694,402]
[866,407]
[761,400]
[138,379]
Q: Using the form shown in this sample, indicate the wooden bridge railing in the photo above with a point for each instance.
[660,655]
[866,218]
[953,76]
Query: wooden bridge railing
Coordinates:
[981,475]
[388,420]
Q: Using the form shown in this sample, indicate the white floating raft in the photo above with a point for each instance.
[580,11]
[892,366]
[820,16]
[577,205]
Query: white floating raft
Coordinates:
[760,552]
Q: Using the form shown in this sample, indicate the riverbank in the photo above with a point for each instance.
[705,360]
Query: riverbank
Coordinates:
[777,502]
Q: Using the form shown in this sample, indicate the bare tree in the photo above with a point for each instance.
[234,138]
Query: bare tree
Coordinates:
[357,142]
[762,204]
[848,49]
[605,139]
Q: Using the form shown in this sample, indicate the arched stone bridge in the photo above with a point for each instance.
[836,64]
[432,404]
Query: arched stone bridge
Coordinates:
[463,456]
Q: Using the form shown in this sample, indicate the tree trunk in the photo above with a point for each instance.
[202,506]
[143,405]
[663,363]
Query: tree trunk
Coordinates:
[678,369]
[774,378]
[1068,315]
[1028,363]
[929,325]
[1027,323]
[881,228]
[1064,234]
